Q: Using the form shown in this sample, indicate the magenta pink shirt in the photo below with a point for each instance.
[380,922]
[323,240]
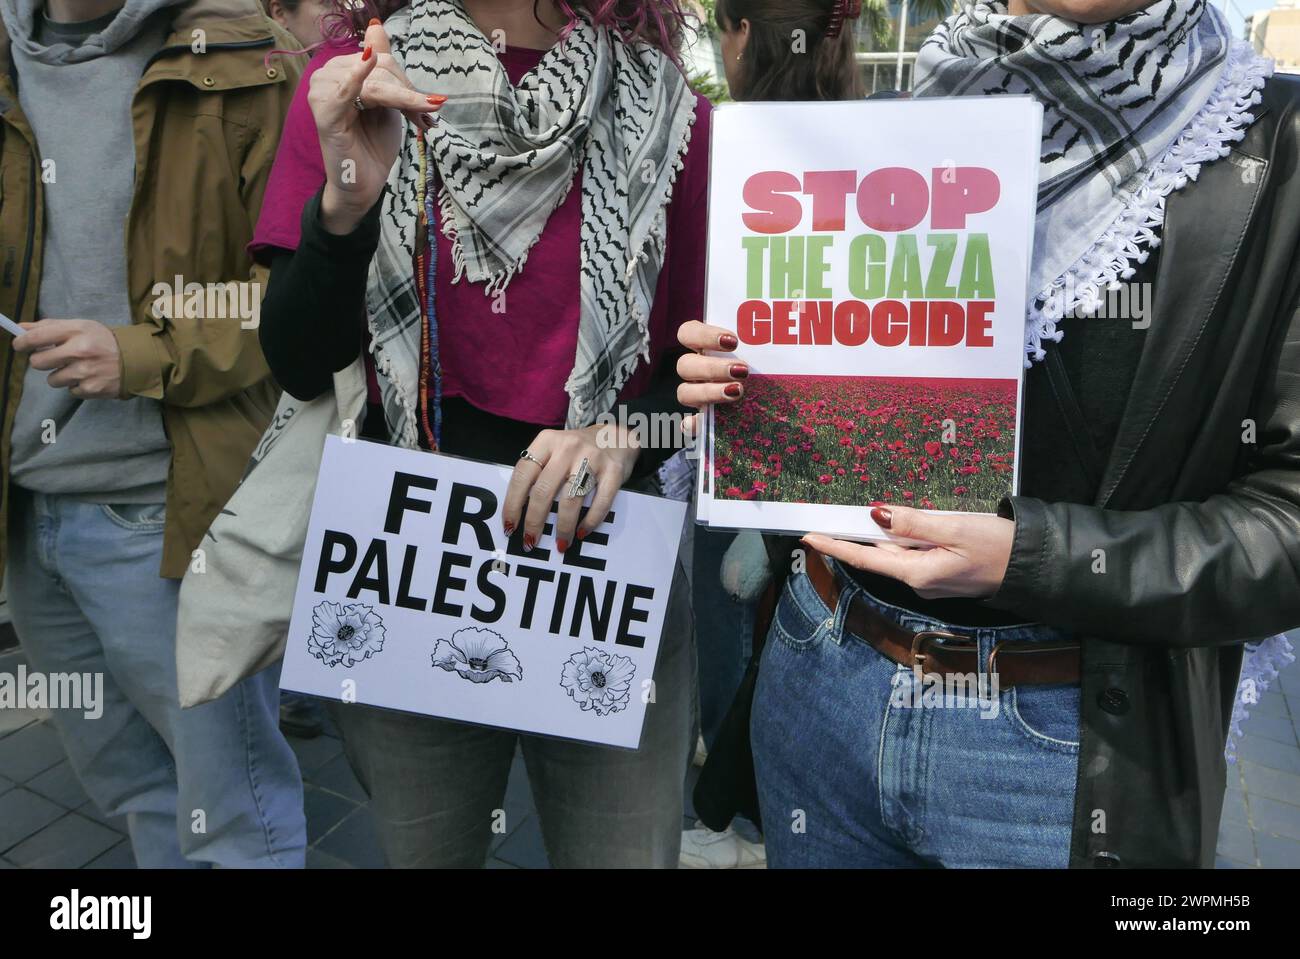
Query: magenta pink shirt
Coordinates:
[514,363]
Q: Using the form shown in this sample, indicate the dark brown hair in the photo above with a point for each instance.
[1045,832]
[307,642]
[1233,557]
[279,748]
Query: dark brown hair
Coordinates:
[777,66]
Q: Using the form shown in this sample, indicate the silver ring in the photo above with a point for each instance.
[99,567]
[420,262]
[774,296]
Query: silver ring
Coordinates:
[525,455]
[581,482]
[356,102]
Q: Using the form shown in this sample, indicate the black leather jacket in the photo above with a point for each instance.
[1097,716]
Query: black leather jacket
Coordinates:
[1198,512]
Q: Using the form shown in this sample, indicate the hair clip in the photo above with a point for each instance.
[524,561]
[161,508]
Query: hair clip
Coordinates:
[841,10]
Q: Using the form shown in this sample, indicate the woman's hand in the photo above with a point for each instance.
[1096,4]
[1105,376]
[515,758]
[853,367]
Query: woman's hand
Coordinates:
[358,146]
[610,453]
[707,379]
[969,557]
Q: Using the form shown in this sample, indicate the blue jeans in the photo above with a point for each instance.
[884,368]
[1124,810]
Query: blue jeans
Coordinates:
[857,767]
[725,629]
[217,784]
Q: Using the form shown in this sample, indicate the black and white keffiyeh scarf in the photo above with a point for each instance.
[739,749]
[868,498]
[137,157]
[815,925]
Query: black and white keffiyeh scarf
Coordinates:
[1132,108]
[506,157]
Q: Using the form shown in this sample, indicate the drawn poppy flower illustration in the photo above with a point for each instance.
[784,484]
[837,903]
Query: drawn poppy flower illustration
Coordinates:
[597,680]
[345,635]
[478,655]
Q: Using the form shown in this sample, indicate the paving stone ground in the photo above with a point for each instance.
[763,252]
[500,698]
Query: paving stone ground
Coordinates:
[47,821]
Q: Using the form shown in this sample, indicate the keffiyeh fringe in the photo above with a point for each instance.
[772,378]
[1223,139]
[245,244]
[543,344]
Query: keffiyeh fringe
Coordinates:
[1259,668]
[1223,120]
[649,257]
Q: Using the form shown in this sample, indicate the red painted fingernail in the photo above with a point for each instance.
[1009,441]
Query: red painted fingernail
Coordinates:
[529,542]
[562,545]
[508,526]
[365,54]
[727,342]
[732,390]
[582,534]
[739,371]
[882,517]
[436,99]
[375,22]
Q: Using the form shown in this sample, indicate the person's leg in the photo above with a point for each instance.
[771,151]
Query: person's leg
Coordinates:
[724,627]
[435,786]
[999,778]
[121,760]
[816,730]
[606,807]
[950,776]
[241,799]
[239,791]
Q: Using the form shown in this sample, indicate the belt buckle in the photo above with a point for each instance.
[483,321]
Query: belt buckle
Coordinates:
[919,639]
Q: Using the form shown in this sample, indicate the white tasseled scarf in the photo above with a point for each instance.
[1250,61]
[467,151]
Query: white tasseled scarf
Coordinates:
[1132,108]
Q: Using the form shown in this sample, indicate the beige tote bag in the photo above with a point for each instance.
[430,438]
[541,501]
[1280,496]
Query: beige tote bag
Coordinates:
[237,596]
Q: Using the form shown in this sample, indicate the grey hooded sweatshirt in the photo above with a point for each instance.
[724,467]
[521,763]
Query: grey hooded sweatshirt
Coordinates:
[75,85]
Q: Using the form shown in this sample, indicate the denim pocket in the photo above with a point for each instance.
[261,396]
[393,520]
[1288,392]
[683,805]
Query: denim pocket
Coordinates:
[802,617]
[1046,715]
[139,517]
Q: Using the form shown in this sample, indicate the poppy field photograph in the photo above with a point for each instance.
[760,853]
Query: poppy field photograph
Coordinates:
[933,443]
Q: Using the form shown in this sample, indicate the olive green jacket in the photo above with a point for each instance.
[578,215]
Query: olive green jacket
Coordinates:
[207,116]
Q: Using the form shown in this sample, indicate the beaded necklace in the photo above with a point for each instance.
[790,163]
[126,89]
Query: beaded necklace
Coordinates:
[426,260]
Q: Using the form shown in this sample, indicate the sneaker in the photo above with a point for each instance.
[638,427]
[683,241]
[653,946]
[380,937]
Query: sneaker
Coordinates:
[702,848]
[701,752]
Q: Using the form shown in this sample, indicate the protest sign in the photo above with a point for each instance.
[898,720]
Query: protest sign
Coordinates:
[411,597]
[872,260]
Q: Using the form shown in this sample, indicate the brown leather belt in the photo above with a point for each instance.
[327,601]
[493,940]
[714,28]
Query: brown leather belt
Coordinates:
[1017,663]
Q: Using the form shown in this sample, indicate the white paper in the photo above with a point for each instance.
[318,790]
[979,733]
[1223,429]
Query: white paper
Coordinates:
[946,152]
[494,666]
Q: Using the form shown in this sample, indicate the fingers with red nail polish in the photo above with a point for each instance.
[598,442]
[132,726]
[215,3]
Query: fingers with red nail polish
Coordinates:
[706,377]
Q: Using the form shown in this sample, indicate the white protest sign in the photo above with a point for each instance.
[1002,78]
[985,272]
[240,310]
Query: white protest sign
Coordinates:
[871,258]
[411,597]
